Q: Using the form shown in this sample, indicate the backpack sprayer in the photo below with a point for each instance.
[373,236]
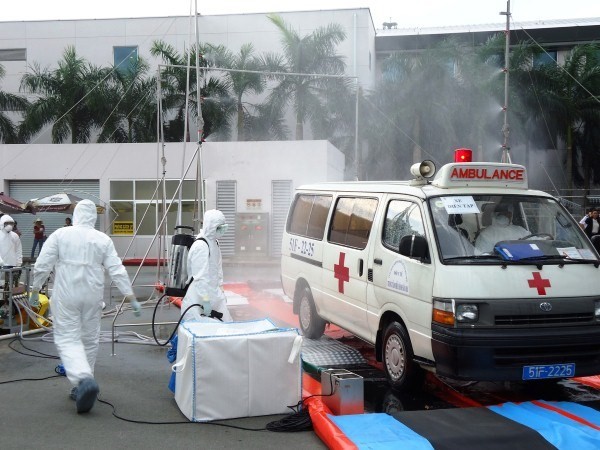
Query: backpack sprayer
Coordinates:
[179,279]
[177,283]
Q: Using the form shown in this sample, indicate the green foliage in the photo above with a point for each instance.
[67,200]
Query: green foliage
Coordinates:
[65,99]
[9,103]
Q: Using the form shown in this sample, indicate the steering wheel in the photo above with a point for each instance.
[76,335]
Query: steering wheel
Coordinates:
[546,235]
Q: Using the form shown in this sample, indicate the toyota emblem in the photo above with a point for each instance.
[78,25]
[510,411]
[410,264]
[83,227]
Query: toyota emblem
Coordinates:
[545,306]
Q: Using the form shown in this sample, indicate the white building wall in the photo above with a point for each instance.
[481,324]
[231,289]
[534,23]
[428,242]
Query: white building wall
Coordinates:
[252,164]
[93,40]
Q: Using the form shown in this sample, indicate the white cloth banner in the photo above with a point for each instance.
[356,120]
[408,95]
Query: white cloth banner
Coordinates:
[236,369]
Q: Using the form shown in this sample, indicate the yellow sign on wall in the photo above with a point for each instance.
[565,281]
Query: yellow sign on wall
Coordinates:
[124,227]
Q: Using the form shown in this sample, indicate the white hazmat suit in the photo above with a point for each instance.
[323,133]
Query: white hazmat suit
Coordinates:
[205,265]
[500,230]
[79,256]
[11,251]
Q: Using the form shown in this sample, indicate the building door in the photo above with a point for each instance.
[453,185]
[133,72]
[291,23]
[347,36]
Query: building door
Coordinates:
[27,190]
[226,203]
[281,197]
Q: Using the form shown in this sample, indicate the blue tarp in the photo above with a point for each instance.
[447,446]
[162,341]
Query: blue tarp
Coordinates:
[379,431]
[561,431]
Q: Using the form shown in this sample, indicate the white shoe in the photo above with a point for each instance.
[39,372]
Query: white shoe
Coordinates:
[103,306]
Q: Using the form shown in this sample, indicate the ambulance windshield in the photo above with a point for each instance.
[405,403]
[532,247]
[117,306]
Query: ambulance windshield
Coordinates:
[485,228]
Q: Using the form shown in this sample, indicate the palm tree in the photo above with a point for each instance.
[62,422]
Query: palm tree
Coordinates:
[129,102]
[214,92]
[413,111]
[310,54]
[241,82]
[65,99]
[572,92]
[9,103]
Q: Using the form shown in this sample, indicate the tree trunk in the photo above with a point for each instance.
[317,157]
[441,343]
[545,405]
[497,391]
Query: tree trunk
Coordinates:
[570,161]
[240,121]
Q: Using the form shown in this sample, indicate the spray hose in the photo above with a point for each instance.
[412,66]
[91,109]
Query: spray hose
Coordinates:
[213,315]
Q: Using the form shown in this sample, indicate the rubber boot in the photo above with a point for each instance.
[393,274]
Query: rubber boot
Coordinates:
[86,395]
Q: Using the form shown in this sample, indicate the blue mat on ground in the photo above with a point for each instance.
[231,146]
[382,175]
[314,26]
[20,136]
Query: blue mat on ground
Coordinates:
[527,426]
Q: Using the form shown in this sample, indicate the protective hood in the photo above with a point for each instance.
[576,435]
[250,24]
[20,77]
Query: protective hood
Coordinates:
[500,220]
[212,219]
[85,214]
[5,218]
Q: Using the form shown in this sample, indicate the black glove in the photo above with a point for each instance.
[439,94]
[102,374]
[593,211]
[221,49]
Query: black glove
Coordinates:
[216,315]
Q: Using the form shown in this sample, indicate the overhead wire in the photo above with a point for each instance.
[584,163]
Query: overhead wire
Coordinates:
[561,68]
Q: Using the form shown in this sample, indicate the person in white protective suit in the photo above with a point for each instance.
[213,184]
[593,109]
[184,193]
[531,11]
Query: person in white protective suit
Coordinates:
[205,266]
[79,256]
[11,251]
[501,229]
[11,255]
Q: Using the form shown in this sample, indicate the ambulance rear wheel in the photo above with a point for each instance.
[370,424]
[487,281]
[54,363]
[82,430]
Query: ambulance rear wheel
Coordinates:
[311,324]
[401,370]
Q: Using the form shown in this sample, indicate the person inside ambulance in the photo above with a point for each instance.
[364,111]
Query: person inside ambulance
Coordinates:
[79,256]
[501,229]
[205,266]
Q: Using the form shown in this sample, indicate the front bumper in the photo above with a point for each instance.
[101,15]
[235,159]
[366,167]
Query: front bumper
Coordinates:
[499,354]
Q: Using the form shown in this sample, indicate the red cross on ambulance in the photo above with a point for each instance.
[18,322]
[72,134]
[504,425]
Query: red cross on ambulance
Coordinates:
[341,272]
[539,283]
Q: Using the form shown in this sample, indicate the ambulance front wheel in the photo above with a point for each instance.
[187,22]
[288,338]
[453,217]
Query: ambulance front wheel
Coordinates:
[311,324]
[401,370]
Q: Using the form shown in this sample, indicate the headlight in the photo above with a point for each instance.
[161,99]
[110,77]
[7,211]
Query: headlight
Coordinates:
[443,312]
[467,313]
[597,309]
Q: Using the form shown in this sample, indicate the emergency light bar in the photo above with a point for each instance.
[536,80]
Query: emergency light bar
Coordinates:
[463,155]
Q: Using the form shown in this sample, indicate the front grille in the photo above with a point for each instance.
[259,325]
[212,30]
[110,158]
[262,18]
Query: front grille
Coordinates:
[547,355]
[545,319]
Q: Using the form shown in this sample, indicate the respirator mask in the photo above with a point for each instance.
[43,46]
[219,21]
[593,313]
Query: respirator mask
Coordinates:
[8,227]
[221,230]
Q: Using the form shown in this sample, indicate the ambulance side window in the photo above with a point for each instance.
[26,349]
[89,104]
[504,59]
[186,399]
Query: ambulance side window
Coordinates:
[402,218]
[352,221]
[309,215]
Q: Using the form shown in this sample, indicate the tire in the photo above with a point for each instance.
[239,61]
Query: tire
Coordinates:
[311,324]
[397,355]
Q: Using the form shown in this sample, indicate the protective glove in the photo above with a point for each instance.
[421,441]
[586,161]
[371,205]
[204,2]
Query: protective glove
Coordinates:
[34,298]
[135,305]
[206,306]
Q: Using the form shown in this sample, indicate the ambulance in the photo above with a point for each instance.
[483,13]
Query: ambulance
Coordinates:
[468,274]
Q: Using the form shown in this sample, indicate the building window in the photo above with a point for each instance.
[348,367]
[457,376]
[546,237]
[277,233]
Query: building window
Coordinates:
[134,206]
[125,58]
[13,54]
[547,57]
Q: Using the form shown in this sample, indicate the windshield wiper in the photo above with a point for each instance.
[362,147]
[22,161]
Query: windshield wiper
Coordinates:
[562,259]
[539,258]
[472,257]
[595,262]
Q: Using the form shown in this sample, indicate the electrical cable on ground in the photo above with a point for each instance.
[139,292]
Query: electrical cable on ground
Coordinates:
[298,421]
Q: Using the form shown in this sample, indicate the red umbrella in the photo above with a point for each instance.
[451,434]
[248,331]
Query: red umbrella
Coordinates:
[9,205]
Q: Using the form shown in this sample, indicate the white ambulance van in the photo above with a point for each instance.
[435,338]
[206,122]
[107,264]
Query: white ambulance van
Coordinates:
[469,274]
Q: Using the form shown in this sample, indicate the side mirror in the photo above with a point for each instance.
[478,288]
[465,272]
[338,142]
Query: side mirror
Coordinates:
[416,247]
[596,242]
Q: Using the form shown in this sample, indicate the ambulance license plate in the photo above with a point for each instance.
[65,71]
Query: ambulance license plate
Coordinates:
[548,371]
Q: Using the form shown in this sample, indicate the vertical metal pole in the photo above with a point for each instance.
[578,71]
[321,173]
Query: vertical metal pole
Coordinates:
[356,152]
[505,129]
[200,119]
